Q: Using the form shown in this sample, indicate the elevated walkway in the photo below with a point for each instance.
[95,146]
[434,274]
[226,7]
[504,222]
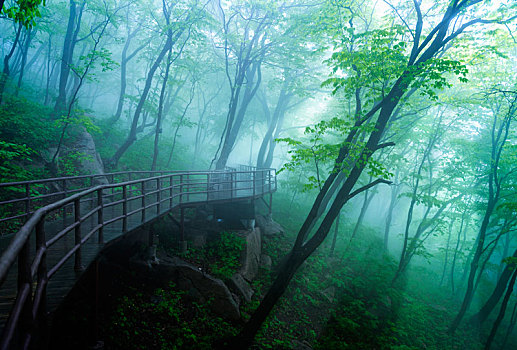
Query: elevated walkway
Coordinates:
[64,222]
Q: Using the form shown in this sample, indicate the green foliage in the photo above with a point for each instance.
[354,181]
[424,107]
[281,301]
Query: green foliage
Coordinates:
[378,56]
[24,12]
[317,148]
[164,320]
[25,122]
[69,164]
[220,257]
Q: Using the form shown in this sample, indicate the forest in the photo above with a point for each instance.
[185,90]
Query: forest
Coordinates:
[388,124]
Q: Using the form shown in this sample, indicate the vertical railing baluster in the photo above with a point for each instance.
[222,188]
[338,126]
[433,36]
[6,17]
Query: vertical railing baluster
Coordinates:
[64,206]
[124,208]
[231,184]
[171,193]
[41,312]
[207,187]
[181,188]
[143,201]
[158,196]
[269,179]
[100,216]
[25,278]
[77,219]
[27,199]
[254,180]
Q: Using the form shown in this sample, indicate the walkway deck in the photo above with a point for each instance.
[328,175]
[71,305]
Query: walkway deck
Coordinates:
[36,265]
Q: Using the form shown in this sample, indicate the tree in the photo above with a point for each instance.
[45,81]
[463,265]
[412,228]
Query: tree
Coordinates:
[499,133]
[421,62]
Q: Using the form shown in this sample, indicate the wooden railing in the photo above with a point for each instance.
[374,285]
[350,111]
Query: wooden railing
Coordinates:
[83,215]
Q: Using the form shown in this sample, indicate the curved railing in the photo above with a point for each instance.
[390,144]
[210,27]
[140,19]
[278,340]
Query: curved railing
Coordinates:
[30,262]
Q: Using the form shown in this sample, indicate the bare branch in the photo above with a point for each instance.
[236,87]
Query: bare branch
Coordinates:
[370,185]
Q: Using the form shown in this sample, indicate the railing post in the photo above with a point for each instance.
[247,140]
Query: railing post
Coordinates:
[41,312]
[181,188]
[78,267]
[183,242]
[254,180]
[188,187]
[207,187]
[64,206]
[100,216]
[25,278]
[171,193]
[143,201]
[231,184]
[158,195]
[269,179]
[27,199]
[124,208]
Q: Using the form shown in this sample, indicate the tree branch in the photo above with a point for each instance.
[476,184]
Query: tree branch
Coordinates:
[370,185]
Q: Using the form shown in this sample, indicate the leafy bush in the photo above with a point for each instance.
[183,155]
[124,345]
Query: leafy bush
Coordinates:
[163,320]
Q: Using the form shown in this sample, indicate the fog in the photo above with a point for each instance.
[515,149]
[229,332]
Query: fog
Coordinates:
[335,95]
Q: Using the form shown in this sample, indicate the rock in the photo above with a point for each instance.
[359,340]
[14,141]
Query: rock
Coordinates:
[91,162]
[250,257]
[238,285]
[87,160]
[200,286]
[265,261]
[268,226]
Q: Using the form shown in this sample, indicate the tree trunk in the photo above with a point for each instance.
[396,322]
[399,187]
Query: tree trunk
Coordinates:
[134,125]
[455,255]
[5,73]
[235,123]
[334,239]
[502,311]
[393,201]
[28,38]
[447,252]
[159,117]
[72,31]
[481,316]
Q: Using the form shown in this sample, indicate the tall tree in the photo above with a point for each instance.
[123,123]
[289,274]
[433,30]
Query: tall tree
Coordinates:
[422,61]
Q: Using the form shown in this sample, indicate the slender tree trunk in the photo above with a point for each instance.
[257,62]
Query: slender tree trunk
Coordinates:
[28,38]
[509,330]
[364,208]
[180,123]
[134,125]
[480,317]
[455,255]
[72,31]
[502,311]
[393,203]
[235,123]
[334,239]
[5,73]
[159,117]
[447,251]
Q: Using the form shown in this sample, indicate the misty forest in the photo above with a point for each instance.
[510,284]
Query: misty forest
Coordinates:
[263,174]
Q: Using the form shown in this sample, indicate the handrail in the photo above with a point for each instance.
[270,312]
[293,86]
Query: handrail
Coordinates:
[62,188]
[159,193]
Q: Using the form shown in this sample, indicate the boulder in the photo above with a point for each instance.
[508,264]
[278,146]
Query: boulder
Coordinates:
[267,226]
[200,286]
[88,159]
[239,286]
[250,257]
[92,162]
[265,261]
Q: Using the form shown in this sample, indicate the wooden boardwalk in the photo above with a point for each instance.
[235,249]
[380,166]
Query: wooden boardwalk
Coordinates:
[41,262]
